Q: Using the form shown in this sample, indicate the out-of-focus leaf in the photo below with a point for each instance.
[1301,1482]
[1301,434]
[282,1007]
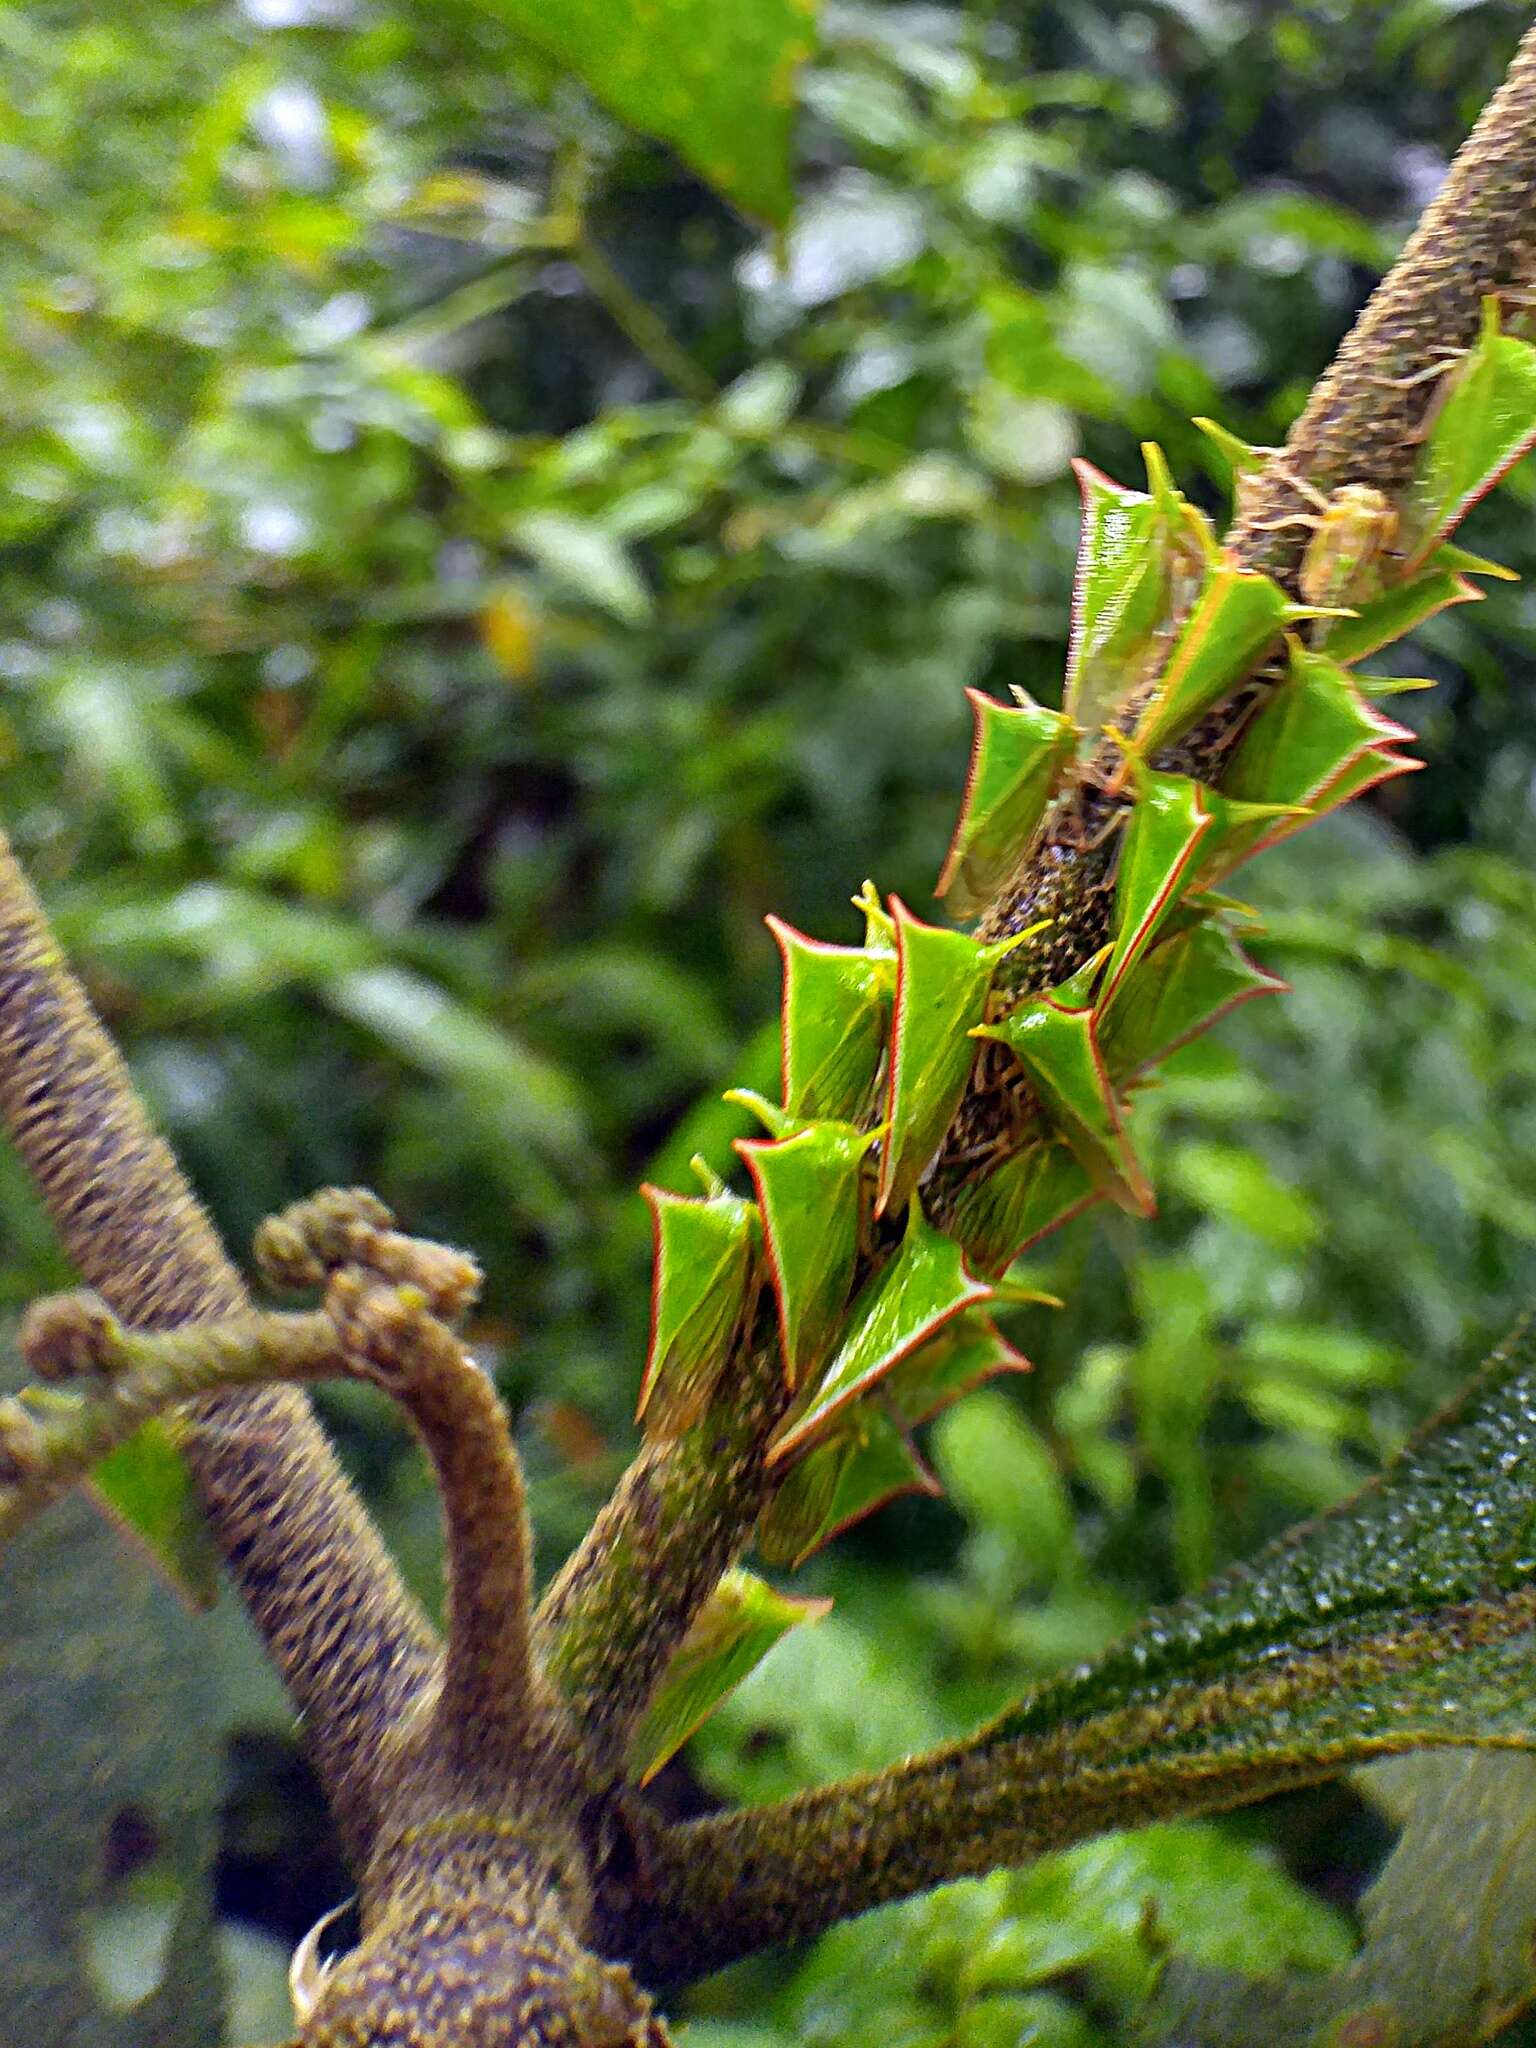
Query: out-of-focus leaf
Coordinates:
[146,1484]
[1447,1953]
[738,1626]
[588,561]
[716,82]
[1233,1184]
[998,1470]
[428,1027]
[108,1742]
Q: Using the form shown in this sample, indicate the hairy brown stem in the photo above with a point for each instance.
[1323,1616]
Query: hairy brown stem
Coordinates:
[351,1646]
[630,1591]
[51,1437]
[487,1712]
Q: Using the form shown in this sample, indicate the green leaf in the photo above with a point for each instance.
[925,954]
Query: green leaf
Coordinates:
[590,562]
[966,1352]
[836,1019]
[145,1485]
[942,981]
[867,1461]
[1230,1182]
[1399,609]
[527,1094]
[1170,818]
[1237,617]
[1059,1050]
[1031,1192]
[902,1307]
[704,1247]
[1304,744]
[716,82]
[1181,988]
[999,1471]
[808,1188]
[1016,756]
[737,1627]
[1486,423]
[1446,1955]
[1133,552]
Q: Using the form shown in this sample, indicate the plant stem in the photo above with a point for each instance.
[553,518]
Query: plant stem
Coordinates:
[350,1645]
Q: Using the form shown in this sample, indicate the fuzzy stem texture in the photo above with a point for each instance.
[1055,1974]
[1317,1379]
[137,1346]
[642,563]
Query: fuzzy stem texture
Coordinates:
[350,1645]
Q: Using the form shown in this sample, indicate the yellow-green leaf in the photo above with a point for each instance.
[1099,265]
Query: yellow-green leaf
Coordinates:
[145,1485]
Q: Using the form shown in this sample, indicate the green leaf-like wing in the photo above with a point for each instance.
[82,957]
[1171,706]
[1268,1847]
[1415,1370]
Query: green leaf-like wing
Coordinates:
[1485,425]
[902,1307]
[1237,617]
[1171,817]
[703,1263]
[808,1188]
[1398,610]
[966,1352]
[867,1461]
[1016,755]
[1446,1955]
[717,82]
[1122,590]
[146,1486]
[1315,728]
[1030,1193]
[1059,1049]
[836,1019]
[740,1623]
[942,980]
[1180,989]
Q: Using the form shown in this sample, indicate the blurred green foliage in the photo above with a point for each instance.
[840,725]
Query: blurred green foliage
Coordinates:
[458,576]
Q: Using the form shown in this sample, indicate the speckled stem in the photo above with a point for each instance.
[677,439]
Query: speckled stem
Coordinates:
[56,1436]
[484,1720]
[676,1522]
[351,1647]
[721,1888]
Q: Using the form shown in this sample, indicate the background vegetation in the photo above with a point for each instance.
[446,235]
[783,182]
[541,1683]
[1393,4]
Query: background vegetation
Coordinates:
[459,574]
